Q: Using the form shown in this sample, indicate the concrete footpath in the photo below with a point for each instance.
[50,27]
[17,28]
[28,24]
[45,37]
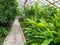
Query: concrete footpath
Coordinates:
[15,37]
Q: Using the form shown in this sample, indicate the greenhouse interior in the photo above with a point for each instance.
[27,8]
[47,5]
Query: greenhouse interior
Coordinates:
[29,22]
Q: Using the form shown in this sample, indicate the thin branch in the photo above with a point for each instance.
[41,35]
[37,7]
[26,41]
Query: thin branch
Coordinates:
[25,3]
[53,3]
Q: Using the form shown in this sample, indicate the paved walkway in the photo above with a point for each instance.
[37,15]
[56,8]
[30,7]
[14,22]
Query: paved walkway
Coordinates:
[15,37]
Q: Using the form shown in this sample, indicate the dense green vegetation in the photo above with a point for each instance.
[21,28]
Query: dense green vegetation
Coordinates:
[8,11]
[3,34]
[41,26]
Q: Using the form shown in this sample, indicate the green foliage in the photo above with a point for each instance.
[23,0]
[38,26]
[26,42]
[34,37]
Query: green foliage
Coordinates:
[3,32]
[41,26]
[46,42]
[8,11]
[35,44]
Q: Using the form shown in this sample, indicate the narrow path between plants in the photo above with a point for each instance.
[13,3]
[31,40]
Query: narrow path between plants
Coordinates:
[15,37]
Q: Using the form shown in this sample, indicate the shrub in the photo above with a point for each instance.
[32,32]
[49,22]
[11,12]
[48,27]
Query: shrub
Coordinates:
[44,27]
[8,11]
[3,32]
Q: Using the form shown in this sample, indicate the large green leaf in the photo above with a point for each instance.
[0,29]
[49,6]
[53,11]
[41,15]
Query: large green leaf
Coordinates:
[47,41]
[34,44]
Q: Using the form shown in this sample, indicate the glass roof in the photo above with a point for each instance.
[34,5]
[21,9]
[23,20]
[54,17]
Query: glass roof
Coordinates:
[55,3]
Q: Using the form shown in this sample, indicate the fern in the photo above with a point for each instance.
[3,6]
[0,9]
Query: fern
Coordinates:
[47,41]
